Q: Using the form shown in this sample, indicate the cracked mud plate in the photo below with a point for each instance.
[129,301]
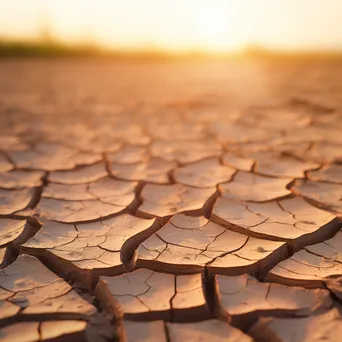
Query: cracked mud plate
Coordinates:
[182,209]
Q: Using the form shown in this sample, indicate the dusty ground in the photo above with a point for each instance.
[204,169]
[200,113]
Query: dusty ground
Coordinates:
[170,201]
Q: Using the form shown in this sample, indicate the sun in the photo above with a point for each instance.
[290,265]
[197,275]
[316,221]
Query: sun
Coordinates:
[213,24]
[216,31]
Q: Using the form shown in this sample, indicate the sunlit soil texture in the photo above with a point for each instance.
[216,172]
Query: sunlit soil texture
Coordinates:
[170,202]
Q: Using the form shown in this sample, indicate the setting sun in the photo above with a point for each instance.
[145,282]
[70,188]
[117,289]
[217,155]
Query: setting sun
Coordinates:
[217,31]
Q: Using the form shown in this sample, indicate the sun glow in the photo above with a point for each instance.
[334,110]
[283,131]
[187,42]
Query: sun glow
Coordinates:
[217,31]
[178,26]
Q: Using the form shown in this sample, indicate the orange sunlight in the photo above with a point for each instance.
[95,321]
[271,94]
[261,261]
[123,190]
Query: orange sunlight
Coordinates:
[177,26]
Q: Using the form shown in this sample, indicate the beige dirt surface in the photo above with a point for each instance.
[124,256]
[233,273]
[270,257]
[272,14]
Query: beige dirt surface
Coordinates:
[170,201]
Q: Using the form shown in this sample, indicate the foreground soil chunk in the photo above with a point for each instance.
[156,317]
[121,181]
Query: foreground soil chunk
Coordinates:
[151,331]
[5,165]
[17,179]
[12,201]
[281,166]
[82,175]
[68,330]
[247,186]
[52,157]
[145,294]
[245,295]
[204,174]
[42,306]
[211,330]
[189,243]
[292,220]
[154,331]
[11,230]
[185,151]
[166,200]
[311,266]
[86,202]
[155,170]
[321,327]
[331,174]
[327,195]
[84,248]
[29,288]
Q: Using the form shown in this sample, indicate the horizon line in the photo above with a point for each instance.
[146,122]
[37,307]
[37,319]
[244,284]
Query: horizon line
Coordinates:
[47,47]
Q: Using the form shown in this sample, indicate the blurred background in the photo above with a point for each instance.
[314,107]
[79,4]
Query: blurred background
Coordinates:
[179,27]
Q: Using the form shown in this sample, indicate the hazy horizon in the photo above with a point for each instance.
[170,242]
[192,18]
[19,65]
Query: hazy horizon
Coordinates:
[160,25]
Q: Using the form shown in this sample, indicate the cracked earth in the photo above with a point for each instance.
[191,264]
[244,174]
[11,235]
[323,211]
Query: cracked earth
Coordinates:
[170,202]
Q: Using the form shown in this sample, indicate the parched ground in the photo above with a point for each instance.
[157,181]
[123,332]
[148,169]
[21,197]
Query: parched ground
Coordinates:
[170,201]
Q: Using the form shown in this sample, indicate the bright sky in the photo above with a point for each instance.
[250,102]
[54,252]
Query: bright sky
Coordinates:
[179,25]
